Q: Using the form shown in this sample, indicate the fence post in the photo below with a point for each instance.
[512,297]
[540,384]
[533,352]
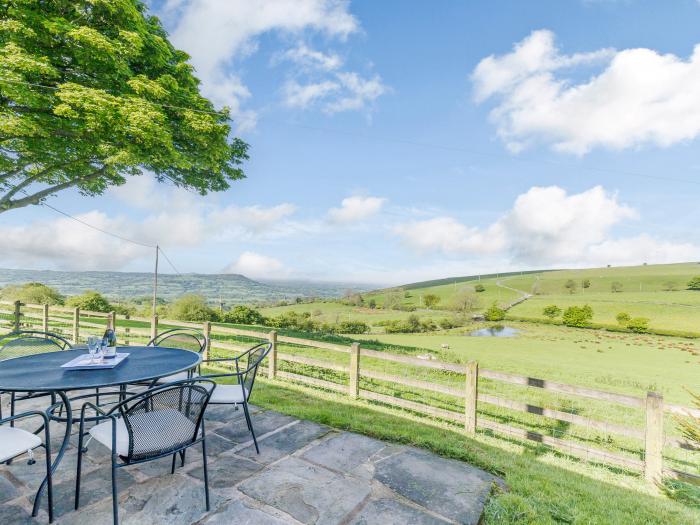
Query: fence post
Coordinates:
[45,318]
[654,438]
[76,325]
[272,360]
[470,396]
[354,387]
[17,315]
[154,326]
[206,328]
[112,321]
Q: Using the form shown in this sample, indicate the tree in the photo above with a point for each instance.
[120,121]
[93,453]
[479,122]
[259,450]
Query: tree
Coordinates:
[393,299]
[33,293]
[623,318]
[93,92]
[551,311]
[90,300]
[465,301]
[586,283]
[616,286]
[479,288]
[242,314]
[431,300]
[191,307]
[579,316]
[570,285]
[670,286]
[639,325]
[372,304]
[494,313]
[694,283]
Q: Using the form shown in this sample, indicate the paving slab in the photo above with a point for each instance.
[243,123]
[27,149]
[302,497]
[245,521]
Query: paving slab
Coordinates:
[227,471]
[392,512]
[237,430]
[310,493]
[285,442]
[344,452]
[459,491]
[242,513]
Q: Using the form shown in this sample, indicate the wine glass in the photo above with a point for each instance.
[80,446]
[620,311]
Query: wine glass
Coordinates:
[94,344]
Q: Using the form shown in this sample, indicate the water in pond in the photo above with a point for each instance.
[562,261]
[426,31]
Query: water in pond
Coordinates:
[496,331]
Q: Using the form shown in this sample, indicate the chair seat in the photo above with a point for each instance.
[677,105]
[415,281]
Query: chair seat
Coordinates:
[15,441]
[227,394]
[180,376]
[155,432]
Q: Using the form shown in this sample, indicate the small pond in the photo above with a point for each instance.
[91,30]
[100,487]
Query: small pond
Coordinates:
[495,331]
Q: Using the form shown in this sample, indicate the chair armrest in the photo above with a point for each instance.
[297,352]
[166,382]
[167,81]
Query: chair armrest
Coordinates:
[220,359]
[26,414]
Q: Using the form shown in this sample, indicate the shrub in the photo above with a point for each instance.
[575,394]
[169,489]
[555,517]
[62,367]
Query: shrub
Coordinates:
[586,283]
[570,285]
[431,300]
[694,283]
[33,293]
[479,288]
[192,307]
[669,286]
[638,325]
[551,311]
[579,316]
[465,301]
[372,304]
[242,314]
[616,286]
[90,300]
[352,327]
[494,313]
[623,318]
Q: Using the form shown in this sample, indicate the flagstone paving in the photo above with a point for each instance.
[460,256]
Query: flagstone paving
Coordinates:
[305,473]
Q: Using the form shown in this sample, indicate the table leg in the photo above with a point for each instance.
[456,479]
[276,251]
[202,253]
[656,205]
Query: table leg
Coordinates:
[61,451]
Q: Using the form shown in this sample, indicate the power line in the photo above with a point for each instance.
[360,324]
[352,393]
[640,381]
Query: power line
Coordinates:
[169,261]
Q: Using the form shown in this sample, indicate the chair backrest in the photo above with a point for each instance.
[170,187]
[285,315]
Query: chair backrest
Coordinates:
[248,363]
[28,342]
[165,419]
[182,338]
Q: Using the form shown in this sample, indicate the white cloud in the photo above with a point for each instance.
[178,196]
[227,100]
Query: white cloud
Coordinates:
[547,227]
[298,96]
[256,265]
[346,91]
[640,97]
[310,58]
[217,33]
[354,209]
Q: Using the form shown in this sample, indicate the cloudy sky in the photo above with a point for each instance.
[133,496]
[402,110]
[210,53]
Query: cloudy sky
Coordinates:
[396,141]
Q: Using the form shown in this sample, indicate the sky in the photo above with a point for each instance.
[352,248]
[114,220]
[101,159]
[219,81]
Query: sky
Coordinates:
[398,141]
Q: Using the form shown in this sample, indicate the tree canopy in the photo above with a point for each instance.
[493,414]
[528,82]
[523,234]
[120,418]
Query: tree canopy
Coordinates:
[92,91]
[91,301]
[33,293]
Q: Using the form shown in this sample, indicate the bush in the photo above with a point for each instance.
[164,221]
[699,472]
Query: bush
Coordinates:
[570,285]
[431,300]
[372,304]
[479,288]
[616,286]
[638,325]
[192,307]
[33,293]
[465,301]
[90,300]
[623,318]
[352,327]
[242,314]
[494,313]
[586,283]
[694,283]
[551,311]
[578,316]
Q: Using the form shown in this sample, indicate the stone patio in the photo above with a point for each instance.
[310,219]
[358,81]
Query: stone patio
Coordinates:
[305,473]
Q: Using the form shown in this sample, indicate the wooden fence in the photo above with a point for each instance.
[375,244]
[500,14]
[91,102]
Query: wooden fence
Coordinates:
[72,322]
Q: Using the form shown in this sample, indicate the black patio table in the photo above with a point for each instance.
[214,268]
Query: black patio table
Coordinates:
[43,373]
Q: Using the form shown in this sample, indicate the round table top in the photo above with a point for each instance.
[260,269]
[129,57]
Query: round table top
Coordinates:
[43,372]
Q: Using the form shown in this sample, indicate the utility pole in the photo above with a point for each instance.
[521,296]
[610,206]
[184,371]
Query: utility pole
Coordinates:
[155,283]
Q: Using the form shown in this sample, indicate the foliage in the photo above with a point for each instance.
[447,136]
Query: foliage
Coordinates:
[372,304]
[412,324]
[551,311]
[479,288]
[638,325]
[669,286]
[616,286]
[90,300]
[431,300]
[623,318]
[570,285]
[494,313]
[586,283]
[241,314]
[33,293]
[578,316]
[393,299]
[465,301]
[694,283]
[690,425]
[192,307]
[352,327]
[93,92]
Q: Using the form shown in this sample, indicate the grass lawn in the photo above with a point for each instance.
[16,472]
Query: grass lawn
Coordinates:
[543,487]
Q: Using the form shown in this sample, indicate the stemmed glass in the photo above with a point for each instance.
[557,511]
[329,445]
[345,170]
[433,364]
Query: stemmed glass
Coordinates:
[94,344]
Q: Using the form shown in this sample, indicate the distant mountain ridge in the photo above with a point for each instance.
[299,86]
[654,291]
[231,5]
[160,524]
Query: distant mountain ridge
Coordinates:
[231,288]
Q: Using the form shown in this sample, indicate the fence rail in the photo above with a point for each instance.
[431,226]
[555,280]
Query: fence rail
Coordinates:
[74,323]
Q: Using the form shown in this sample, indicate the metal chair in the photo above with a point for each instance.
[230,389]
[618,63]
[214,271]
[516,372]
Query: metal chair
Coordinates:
[16,441]
[246,366]
[150,425]
[28,342]
[184,339]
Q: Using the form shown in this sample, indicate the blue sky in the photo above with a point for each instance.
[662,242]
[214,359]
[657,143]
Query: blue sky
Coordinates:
[396,141]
